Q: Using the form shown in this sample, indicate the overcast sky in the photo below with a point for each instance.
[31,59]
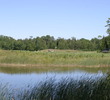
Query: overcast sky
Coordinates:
[58,18]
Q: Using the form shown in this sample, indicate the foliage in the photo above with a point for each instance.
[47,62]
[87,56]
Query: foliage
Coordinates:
[105,43]
[108,25]
[48,42]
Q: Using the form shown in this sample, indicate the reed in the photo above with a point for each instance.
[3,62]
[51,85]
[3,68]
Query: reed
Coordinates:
[5,93]
[63,89]
[69,89]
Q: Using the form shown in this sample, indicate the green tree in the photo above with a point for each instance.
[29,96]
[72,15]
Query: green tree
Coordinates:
[72,43]
[96,43]
[105,45]
[62,43]
[108,25]
[84,44]
[19,45]
[50,41]
[6,42]
[40,44]
[30,44]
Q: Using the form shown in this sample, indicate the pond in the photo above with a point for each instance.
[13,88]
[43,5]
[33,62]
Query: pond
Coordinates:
[18,79]
[22,77]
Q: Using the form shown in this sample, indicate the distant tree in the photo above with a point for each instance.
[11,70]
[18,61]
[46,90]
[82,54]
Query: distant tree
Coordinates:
[96,43]
[19,45]
[99,37]
[40,44]
[105,45]
[30,44]
[50,41]
[72,43]
[6,42]
[62,43]
[84,44]
[105,42]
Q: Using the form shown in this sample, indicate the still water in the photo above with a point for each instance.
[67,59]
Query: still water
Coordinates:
[21,78]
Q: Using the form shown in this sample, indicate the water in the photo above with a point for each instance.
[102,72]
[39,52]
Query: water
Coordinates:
[21,78]
[16,82]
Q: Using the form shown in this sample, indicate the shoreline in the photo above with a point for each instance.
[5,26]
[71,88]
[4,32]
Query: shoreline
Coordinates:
[50,65]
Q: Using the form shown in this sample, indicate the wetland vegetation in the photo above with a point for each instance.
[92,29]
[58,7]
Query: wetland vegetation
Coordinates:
[64,89]
[56,58]
[69,89]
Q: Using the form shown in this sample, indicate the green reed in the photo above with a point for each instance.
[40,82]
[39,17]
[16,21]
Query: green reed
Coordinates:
[63,89]
[5,93]
[70,89]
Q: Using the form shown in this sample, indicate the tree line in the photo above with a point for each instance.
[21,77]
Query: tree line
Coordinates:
[49,42]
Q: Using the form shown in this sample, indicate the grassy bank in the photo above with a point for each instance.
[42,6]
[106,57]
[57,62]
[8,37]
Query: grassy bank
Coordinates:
[56,58]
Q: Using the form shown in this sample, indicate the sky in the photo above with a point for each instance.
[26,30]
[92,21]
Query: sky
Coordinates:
[21,19]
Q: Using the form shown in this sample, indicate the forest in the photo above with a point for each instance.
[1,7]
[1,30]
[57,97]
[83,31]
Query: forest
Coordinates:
[49,42]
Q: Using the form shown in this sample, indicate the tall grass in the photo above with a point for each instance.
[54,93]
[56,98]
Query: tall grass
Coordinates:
[64,89]
[75,58]
[69,89]
[5,93]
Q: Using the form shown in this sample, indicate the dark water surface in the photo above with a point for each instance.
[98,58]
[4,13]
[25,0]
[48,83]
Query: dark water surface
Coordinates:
[21,78]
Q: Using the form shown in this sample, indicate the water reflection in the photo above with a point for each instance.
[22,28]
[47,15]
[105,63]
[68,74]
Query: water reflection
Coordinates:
[23,80]
[22,70]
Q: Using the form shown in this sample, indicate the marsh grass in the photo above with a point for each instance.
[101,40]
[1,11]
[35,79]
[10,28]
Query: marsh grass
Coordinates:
[63,89]
[69,89]
[5,93]
[75,58]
